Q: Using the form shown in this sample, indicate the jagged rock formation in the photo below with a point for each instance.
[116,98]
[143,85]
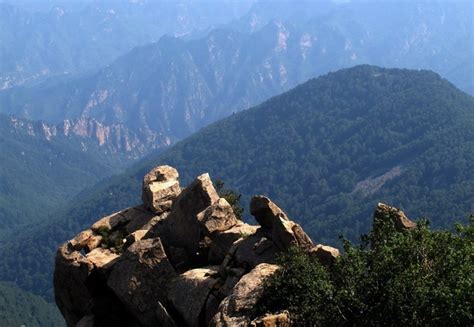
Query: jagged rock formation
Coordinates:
[114,139]
[180,259]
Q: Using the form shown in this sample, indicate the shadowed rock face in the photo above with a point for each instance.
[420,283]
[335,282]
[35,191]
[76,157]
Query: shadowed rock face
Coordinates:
[180,259]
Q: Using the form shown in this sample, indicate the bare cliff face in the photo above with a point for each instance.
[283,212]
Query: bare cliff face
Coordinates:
[182,258]
[114,140]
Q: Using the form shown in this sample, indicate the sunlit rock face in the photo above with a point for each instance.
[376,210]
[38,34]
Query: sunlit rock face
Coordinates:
[180,259]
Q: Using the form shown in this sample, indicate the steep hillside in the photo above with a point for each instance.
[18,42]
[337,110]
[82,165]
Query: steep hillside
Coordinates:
[42,169]
[361,133]
[19,308]
[329,150]
[165,91]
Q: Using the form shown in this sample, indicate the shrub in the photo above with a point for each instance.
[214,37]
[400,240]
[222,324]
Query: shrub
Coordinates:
[414,278]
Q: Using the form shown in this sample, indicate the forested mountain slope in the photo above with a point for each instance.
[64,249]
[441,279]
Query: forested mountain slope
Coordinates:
[164,91]
[42,169]
[19,308]
[328,151]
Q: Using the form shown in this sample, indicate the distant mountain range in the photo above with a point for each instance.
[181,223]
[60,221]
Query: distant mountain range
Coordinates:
[162,92]
[328,150]
[39,39]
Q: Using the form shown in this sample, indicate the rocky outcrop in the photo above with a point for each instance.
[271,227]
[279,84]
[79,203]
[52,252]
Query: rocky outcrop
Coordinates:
[183,259]
[114,139]
[140,279]
[160,188]
[385,212]
[239,307]
[180,259]
[325,254]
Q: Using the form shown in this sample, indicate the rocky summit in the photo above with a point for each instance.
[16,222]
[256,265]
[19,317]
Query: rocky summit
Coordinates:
[182,258]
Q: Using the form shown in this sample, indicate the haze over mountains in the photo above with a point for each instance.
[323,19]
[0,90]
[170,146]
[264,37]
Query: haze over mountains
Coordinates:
[162,92]
[48,38]
[89,87]
[339,144]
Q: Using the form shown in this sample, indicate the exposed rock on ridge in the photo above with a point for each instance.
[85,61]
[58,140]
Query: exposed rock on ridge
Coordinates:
[180,259]
[113,139]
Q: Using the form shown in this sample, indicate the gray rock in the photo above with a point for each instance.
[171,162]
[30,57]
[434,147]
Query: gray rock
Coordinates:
[281,230]
[70,291]
[102,259]
[238,309]
[130,220]
[140,279]
[252,251]
[149,265]
[160,188]
[134,237]
[162,173]
[325,254]
[265,211]
[222,242]
[182,229]
[218,217]
[190,291]
[400,220]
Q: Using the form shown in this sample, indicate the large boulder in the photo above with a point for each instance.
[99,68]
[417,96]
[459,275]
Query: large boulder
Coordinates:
[140,279]
[127,220]
[325,254]
[180,259]
[223,241]
[397,216]
[189,293]
[250,251]
[160,188]
[276,224]
[182,228]
[75,275]
[265,211]
[239,308]
[70,291]
[218,217]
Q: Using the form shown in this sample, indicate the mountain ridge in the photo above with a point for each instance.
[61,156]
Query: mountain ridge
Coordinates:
[330,134]
[173,87]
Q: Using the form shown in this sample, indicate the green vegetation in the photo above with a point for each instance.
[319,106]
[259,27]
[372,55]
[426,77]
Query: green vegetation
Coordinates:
[308,150]
[20,308]
[415,278]
[38,175]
